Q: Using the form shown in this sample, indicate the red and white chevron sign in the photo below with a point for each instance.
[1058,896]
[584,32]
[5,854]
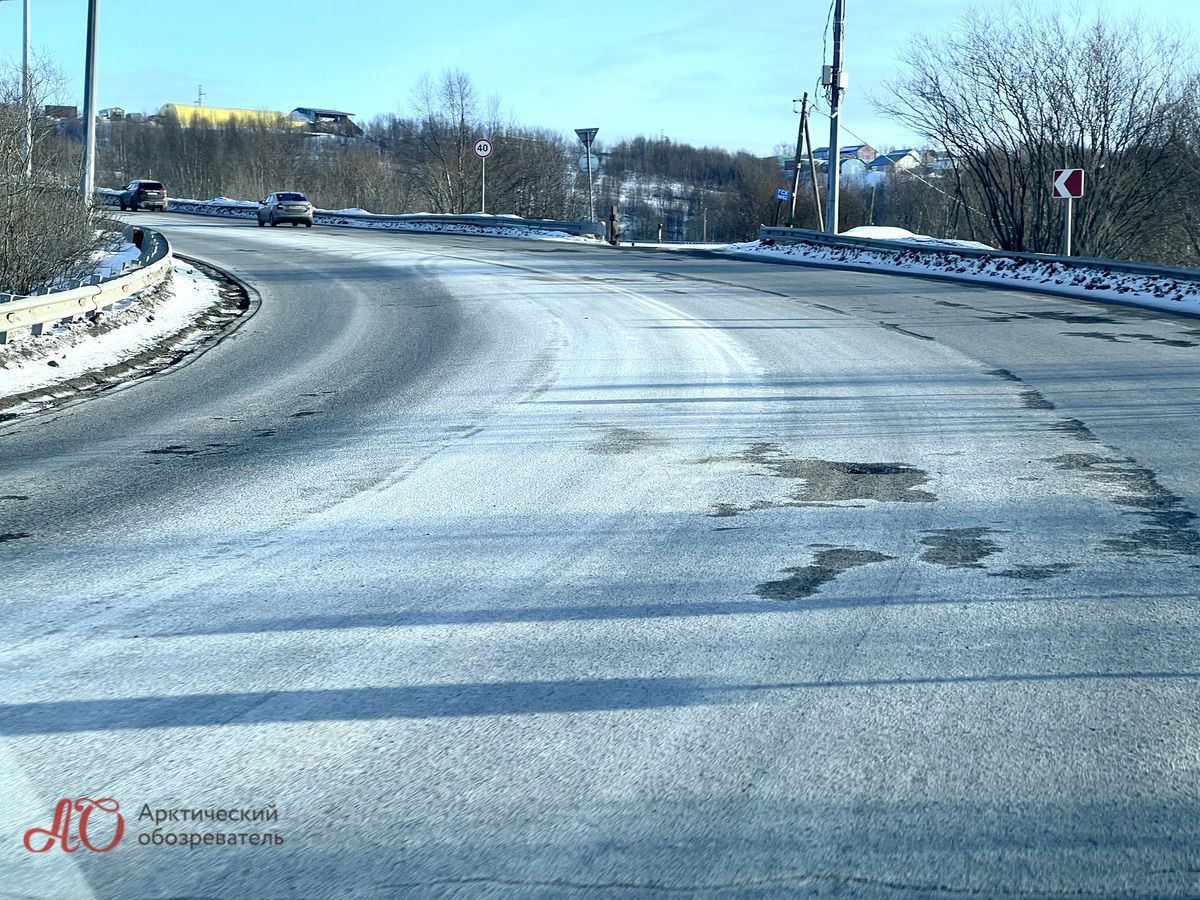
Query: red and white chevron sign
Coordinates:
[1068,183]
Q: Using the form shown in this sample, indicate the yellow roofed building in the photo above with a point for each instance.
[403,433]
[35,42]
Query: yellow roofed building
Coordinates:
[215,116]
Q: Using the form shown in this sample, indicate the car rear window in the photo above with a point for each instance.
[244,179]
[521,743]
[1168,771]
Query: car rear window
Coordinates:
[151,186]
[292,197]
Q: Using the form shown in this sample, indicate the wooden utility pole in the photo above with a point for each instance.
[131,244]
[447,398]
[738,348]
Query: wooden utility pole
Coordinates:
[799,149]
[812,177]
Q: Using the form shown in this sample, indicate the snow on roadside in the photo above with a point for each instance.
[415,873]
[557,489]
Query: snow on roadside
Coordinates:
[1089,282]
[135,324]
[890,233]
[514,230]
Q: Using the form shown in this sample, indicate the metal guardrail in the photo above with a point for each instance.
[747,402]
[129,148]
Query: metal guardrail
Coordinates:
[578,229]
[37,311]
[386,222]
[932,248]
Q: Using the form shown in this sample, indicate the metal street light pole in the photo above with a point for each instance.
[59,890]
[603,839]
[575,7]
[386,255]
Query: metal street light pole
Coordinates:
[26,93]
[27,96]
[87,186]
[835,100]
[587,135]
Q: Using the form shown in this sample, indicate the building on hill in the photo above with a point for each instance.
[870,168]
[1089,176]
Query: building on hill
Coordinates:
[326,121]
[865,152]
[216,116]
[900,159]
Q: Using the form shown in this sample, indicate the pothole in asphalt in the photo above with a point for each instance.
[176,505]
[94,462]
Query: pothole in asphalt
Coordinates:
[14,497]
[1071,427]
[1005,374]
[182,450]
[958,548]
[804,581]
[1031,398]
[1167,525]
[173,450]
[1095,335]
[14,536]
[1034,573]
[1071,318]
[829,482]
[1166,342]
[893,327]
[618,441]
[1124,338]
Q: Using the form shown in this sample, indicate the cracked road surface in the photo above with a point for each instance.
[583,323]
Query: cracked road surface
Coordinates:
[537,568]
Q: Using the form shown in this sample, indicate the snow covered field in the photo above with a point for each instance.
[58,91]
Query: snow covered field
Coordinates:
[133,326]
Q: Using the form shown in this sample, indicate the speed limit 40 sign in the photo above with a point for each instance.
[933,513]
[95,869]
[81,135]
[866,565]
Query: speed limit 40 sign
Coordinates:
[483,148]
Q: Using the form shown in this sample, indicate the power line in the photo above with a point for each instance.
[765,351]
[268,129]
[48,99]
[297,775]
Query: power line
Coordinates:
[911,174]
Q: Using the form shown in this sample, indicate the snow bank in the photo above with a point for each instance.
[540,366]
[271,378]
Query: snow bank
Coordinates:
[391,224]
[135,324]
[1092,282]
[889,233]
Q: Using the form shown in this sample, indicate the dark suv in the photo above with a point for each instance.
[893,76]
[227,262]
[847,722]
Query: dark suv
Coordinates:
[150,194]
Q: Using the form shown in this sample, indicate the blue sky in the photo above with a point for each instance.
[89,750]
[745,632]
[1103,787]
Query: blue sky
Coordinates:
[707,72]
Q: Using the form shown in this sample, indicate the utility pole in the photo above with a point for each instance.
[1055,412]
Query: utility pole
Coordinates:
[27,97]
[812,177]
[799,149]
[803,137]
[836,84]
[87,186]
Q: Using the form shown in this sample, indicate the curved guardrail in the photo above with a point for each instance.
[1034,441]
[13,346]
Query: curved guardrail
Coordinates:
[400,222]
[37,311]
[932,247]
[1146,285]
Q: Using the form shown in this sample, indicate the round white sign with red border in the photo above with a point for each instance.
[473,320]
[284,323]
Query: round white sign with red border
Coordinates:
[483,148]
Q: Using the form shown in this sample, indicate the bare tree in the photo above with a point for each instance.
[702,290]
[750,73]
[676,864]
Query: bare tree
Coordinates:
[1013,93]
[47,234]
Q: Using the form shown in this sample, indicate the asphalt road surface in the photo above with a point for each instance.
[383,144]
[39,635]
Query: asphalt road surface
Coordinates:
[472,566]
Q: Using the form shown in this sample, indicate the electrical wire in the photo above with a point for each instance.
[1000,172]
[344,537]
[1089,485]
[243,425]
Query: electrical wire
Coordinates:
[910,173]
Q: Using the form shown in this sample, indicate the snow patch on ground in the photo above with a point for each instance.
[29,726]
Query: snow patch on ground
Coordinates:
[889,233]
[136,324]
[1091,282]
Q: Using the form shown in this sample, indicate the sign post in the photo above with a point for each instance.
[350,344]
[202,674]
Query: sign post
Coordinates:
[782,195]
[483,149]
[586,136]
[1068,185]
